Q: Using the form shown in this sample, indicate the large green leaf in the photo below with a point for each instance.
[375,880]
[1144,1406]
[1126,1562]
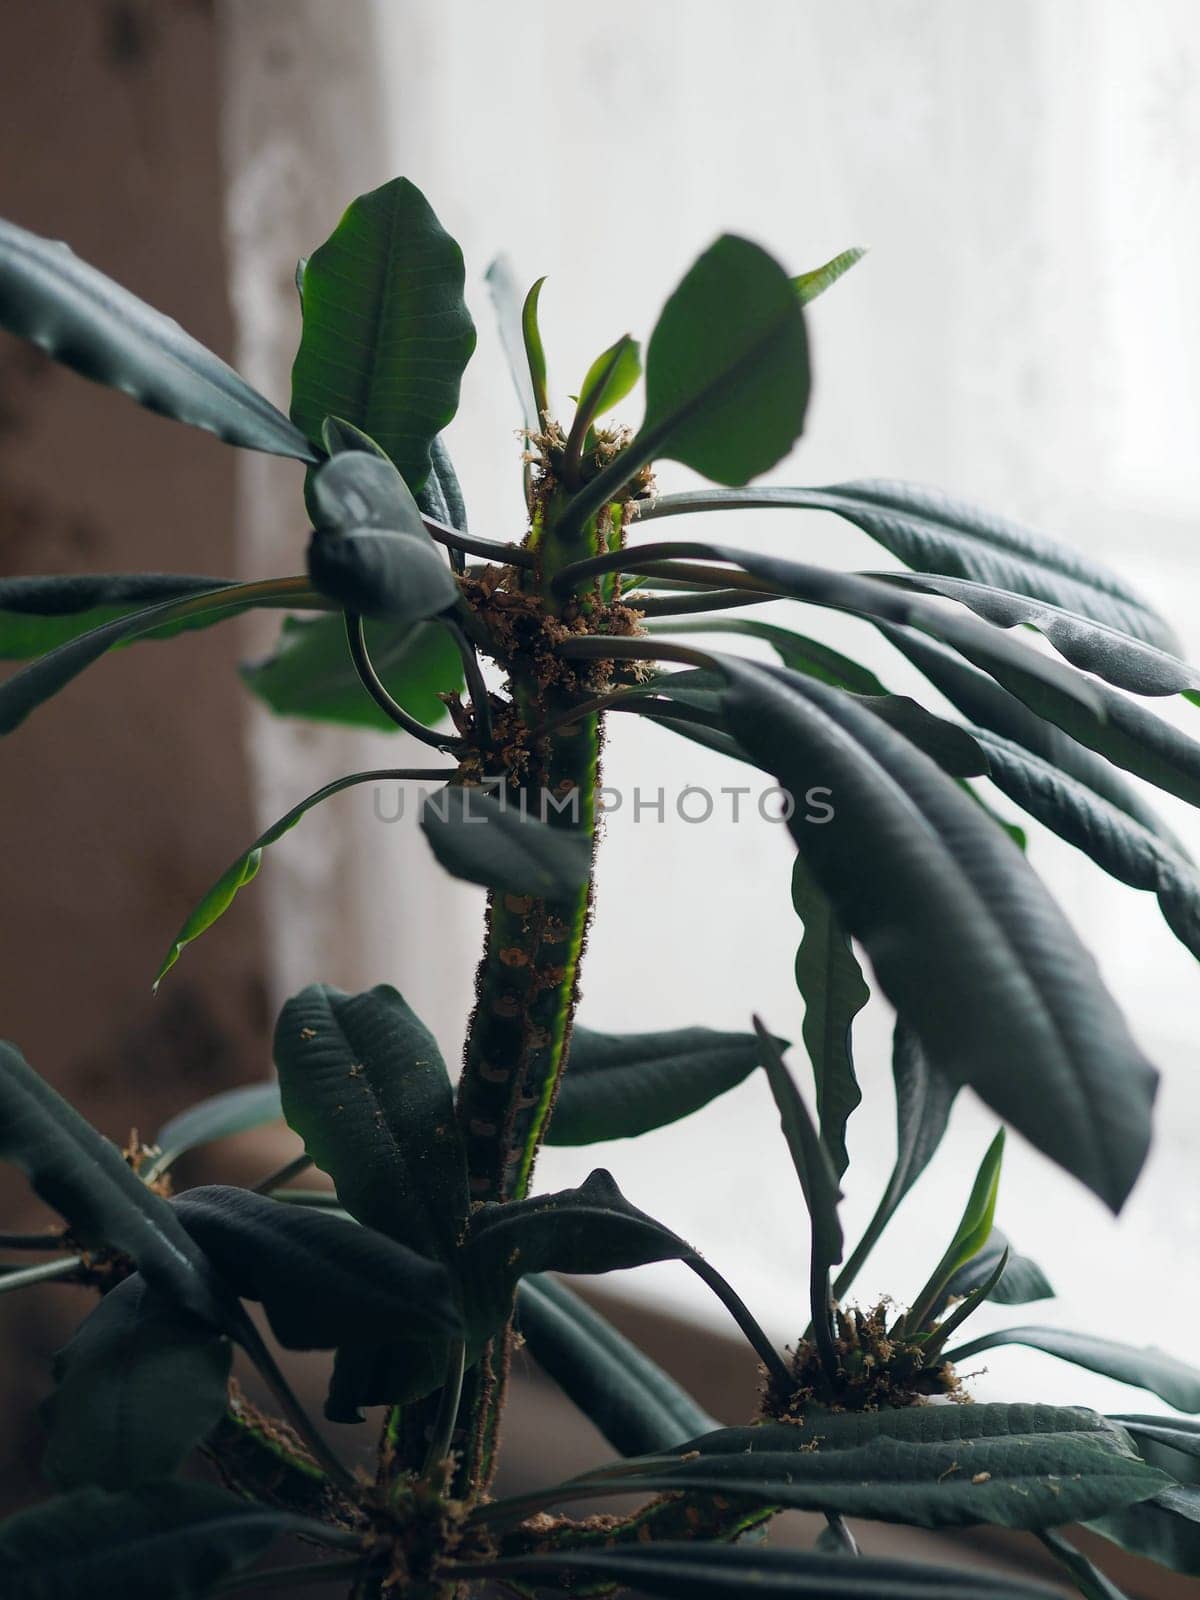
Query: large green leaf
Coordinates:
[695,1571]
[164,1541]
[39,614]
[87,1181]
[831,984]
[1146,1366]
[635,1404]
[320,1280]
[311,674]
[217,900]
[617,1085]
[386,332]
[962,937]
[92,324]
[1015,1466]
[496,843]
[1022,1280]
[932,533]
[370,550]
[365,1087]
[232,1111]
[1124,847]
[810,284]
[140,1384]
[43,678]
[1165,1528]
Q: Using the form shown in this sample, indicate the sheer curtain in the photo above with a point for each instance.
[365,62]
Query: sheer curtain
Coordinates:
[1023,333]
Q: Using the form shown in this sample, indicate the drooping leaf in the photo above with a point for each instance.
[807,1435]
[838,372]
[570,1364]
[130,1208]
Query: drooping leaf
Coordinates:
[388,1373]
[831,984]
[962,937]
[1147,1367]
[365,1087]
[86,1180]
[1014,1466]
[320,1280]
[386,333]
[218,1117]
[1163,1440]
[795,650]
[932,533]
[442,496]
[140,1384]
[814,1166]
[310,672]
[973,1231]
[27,689]
[244,870]
[370,550]
[1089,1580]
[618,1085]
[507,300]
[637,1406]
[164,1541]
[90,323]
[1116,842]
[39,614]
[727,376]
[1022,1280]
[1165,1528]
[495,843]
[693,1571]
[810,284]
[924,1100]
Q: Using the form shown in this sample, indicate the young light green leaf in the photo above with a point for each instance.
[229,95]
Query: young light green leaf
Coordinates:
[218,1117]
[245,869]
[1145,1366]
[311,674]
[535,353]
[494,842]
[616,1086]
[972,1233]
[831,984]
[610,378]
[90,323]
[637,1406]
[320,1280]
[386,333]
[364,1085]
[810,284]
[86,1180]
[138,1387]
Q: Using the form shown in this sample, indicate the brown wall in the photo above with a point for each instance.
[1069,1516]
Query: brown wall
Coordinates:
[123,798]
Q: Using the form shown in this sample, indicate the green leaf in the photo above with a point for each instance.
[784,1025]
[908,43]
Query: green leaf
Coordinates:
[1089,1580]
[611,377]
[973,1231]
[727,376]
[1165,1528]
[618,1085]
[635,1404]
[244,870]
[535,354]
[43,678]
[85,1179]
[39,614]
[814,1166]
[365,1087]
[493,842]
[386,333]
[164,1541]
[795,650]
[932,533]
[945,906]
[310,673]
[442,496]
[1163,1440]
[90,323]
[320,1280]
[139,1386]
[371,551]
[218,1117]
[1013,1466]
[506,299]
[831,984]
[691,1571]
[1146,1366]
[810,284]
[1022,1280]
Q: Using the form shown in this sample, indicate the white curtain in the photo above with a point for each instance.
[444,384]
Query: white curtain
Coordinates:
[1023,332]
